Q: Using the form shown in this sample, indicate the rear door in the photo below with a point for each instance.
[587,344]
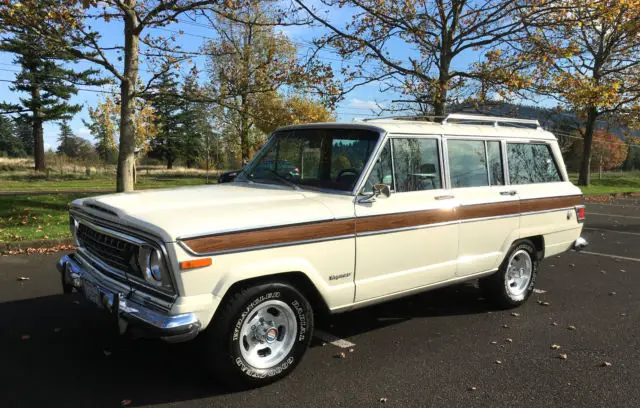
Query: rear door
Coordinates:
[489,210]
[547,197]
[410,239]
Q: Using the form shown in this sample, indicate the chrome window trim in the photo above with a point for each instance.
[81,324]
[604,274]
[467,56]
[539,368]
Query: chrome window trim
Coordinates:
[505,162]
[383,136]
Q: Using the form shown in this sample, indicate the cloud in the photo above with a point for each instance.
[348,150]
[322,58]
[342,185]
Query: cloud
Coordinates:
[83,132]
[362,104]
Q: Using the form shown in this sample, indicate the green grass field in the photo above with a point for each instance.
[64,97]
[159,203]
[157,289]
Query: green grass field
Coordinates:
[26,217]
[611,183]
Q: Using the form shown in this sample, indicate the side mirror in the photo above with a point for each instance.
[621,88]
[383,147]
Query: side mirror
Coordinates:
[383,190]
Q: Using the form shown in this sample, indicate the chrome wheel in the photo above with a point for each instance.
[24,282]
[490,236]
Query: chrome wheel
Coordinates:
[268,334]
[519,273]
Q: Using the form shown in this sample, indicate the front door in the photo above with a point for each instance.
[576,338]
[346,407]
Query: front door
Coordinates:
[410,239]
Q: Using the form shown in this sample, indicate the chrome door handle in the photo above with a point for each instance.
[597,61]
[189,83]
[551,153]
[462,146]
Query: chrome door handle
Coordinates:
[509,193]
[445,197]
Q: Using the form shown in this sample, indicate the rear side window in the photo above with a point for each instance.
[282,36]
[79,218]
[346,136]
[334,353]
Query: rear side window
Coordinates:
[531,163]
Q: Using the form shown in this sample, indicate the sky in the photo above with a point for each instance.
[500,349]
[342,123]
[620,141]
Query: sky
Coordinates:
[361,102]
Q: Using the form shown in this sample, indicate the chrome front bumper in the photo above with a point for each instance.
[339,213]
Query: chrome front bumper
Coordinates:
[580,243]
[115,298]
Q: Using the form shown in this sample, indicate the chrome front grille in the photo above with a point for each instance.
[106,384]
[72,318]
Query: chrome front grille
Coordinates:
[112,251]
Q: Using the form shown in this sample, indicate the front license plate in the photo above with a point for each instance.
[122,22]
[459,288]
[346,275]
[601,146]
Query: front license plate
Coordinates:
[92,293]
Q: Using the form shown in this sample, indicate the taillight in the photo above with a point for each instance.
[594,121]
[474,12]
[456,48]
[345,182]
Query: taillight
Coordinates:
[580,213]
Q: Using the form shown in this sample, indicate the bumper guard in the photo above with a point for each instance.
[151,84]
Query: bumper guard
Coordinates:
[113,298]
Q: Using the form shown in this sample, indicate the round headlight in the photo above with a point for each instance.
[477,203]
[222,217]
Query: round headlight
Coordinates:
[144,252]
[155,265]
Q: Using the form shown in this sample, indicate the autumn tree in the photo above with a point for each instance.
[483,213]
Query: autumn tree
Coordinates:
[433,36]
[278,110]
[134,19]
[585,55]
[43,77]
[252,61]
[103,125]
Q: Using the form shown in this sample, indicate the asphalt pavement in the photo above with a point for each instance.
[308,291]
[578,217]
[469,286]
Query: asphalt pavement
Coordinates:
[445,348]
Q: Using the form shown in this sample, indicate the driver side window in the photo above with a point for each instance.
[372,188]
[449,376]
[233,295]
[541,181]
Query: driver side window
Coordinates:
[382,172]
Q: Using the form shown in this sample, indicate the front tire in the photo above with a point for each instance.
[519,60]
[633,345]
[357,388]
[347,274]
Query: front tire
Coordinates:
[512,285]
[260,335]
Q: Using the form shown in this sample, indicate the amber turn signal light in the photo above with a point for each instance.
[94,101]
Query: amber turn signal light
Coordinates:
[196,263]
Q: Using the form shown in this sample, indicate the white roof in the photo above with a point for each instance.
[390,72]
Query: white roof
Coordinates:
[502,127]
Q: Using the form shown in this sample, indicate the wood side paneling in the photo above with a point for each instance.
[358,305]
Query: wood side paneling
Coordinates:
[271,236]
[329,229]
[543,204]
[404,220]
[488,210]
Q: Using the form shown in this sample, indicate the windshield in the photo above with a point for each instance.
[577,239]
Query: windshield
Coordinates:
[323,158]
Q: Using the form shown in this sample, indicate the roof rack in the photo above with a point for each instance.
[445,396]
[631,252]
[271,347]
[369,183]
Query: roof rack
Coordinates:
[496,120]
[429,118]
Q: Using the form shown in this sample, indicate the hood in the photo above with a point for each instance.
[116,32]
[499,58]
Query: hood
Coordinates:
[202,210]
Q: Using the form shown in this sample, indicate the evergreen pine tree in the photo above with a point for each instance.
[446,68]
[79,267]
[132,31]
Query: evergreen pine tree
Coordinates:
[10,144]
[194,120]
[65,139]
[24,132]
[166,105]
[48,84]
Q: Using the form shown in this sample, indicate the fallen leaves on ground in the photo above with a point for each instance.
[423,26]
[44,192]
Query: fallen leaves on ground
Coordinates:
[23,278]
[606,364]
[571,327]
[515,314]
[612,293]
[41,251]
[383,400]
[340,355]
[498,362]
[472,388]
[562,356]
[508,340]
[540,291]
[554,347]
[543,303]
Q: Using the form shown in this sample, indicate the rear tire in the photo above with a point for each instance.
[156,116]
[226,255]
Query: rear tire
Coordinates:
[259,336]
[512,285]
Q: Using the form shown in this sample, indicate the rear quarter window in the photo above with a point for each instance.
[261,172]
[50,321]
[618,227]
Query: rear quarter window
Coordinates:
[531,163]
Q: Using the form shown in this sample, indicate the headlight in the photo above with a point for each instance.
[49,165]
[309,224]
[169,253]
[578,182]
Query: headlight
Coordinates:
[152,265]
[73,227]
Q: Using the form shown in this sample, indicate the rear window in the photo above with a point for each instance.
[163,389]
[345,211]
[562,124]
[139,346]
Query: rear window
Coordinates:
[531,163]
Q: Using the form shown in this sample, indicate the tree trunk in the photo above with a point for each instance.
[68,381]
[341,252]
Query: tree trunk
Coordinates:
[585,166]
[126,158]
[38,137]
[169,162]
[38,144]
[244,129]
[440,97]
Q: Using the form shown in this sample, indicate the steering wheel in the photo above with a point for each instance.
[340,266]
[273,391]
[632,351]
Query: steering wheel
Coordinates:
[351,170]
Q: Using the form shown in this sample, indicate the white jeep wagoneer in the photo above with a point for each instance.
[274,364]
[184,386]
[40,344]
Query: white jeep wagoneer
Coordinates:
[327,217]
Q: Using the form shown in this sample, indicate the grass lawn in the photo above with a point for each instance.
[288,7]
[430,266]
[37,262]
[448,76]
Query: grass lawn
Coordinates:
[610,183]
[25,217]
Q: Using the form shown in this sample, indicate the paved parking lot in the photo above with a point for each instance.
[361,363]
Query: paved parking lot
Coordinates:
[438,349]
